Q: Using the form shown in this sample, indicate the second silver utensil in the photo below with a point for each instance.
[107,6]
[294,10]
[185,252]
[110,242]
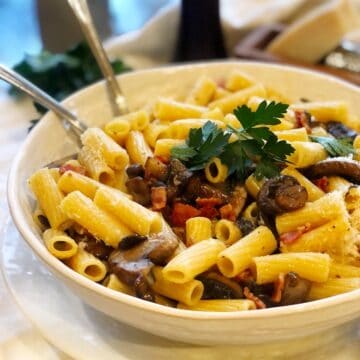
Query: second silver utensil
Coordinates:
[83,15]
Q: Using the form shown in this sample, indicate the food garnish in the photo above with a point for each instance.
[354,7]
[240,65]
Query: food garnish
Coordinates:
[256,144]
[335,147]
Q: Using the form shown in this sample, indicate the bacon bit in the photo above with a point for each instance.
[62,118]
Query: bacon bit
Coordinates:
[158,197]
[250,296]
[302,120]
[322,183]
[290,237]
[208,202]
[227,212]
[278,288]
[69,167]
[164,159]
[182,212]
[245,275]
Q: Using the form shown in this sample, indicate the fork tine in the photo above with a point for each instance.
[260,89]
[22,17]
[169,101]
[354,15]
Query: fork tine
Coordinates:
[59,162]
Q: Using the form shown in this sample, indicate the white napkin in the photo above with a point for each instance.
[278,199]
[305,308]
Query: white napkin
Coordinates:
[154,44]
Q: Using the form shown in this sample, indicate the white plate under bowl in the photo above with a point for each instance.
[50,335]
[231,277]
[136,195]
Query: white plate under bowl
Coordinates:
[48,141]
[84,333]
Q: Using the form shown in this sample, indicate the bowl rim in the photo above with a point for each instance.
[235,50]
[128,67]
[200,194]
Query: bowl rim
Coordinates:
[60,269]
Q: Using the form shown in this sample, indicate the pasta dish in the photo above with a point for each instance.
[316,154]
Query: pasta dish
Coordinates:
[229,199]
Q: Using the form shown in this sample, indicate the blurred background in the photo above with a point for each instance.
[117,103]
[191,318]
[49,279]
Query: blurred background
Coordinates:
[28,25]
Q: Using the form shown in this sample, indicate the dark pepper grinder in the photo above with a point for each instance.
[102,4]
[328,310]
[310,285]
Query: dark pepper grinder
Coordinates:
[200,36]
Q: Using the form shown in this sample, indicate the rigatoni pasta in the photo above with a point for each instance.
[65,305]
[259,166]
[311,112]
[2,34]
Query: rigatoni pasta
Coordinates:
[219,200]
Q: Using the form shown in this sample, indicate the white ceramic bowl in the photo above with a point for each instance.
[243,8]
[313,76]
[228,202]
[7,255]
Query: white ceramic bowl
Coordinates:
[48,141]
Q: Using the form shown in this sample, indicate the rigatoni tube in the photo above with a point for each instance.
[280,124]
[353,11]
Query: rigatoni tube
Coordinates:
[97,221]
[308,265]
[188,293]
[193,261]
[135,216]
[59,244]
[238,256]
[88,265]
[49,197]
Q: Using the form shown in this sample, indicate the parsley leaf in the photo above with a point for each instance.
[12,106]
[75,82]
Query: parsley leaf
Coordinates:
[202,145]
[335,147]
[257,147]
[266,114]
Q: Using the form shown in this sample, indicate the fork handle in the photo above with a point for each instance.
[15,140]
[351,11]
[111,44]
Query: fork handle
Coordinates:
[42,98]
[83,15]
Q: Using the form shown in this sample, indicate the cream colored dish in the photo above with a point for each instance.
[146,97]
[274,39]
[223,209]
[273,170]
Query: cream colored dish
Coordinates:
[47,143]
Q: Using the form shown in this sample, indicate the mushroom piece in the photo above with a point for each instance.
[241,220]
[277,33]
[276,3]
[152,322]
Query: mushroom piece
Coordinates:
[93,245]
[130,241]
[217,286]
[154,168]
[281,194]
[296,289]
[140,190]
[138,260]
[143,289]
[135,170]
[338,166]
[197,187]
[340,130]
[246,226]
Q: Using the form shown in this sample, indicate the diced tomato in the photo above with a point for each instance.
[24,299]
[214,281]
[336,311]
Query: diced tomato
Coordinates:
[322,183]
[209,212]
[182,212]
[158,197]
[227,212]
[208,202]
[302,120]
[291,236]
[69,167]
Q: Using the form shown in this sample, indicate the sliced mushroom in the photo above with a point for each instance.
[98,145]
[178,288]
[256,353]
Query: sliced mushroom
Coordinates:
[129,265]
[154,168]
[143,289]
[339,166]
[139,259]
[92,245]
[281,194]
[161,248]
[197,187]
[135,170]
[130,241]
[246,226]
[296,289]
[140,190]
[340,130]
[217,286]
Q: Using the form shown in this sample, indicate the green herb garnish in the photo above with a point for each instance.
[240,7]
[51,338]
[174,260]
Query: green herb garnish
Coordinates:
[202,145]
[62,74]
[335,147]
[257,146]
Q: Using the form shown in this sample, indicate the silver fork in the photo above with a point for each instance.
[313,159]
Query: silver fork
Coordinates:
[81,11]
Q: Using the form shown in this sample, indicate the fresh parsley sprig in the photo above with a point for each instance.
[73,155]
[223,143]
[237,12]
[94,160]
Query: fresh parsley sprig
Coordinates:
[256,145]
[202,145]
[335,147]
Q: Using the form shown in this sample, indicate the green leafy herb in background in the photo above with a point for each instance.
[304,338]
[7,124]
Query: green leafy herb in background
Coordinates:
[335,147]
[62,74]
[257,146]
